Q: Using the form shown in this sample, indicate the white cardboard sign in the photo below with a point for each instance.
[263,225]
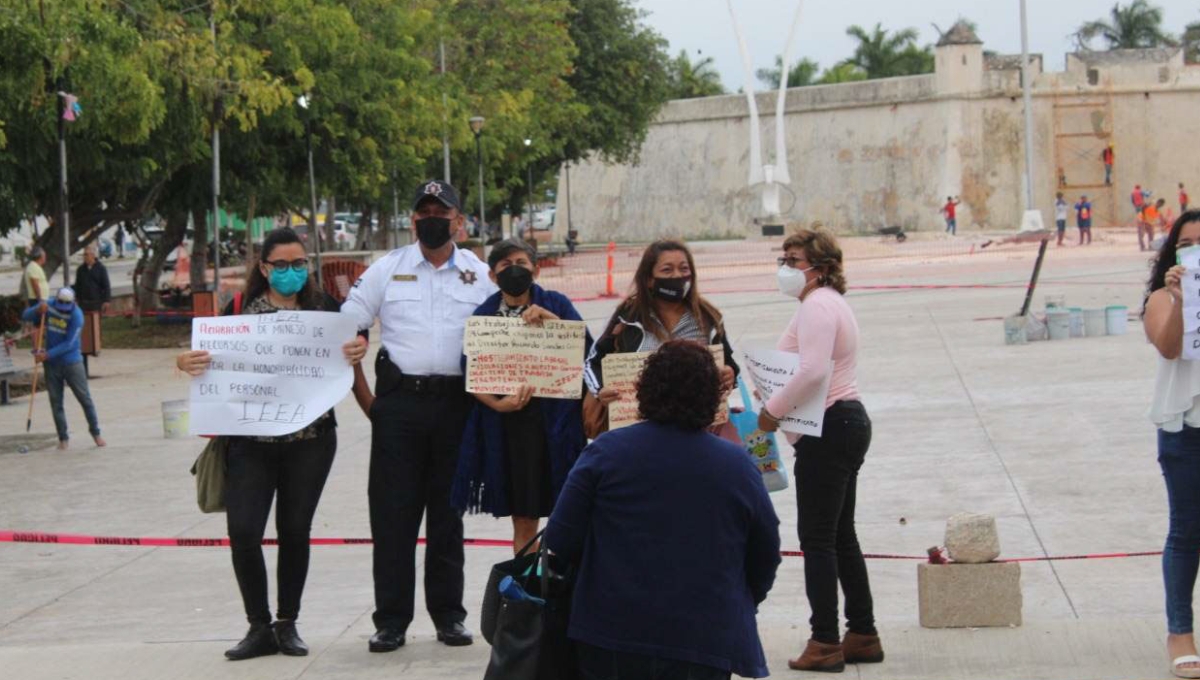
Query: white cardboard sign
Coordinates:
[770,370]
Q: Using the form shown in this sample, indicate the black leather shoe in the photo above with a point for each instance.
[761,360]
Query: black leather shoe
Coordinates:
[454,635]
[259,641]
[386,640]
[289,640]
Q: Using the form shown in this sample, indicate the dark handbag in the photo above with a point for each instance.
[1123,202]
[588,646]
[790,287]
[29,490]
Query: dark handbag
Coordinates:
[595,416]
[529,638]
[209,470]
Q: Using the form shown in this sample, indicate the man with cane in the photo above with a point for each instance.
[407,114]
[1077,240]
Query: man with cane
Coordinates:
[62,321]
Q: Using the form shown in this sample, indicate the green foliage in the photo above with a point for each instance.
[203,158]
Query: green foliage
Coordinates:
[1134,26]
[803,74]
[690,80]
[1190,41]
[842,73]
[880,54]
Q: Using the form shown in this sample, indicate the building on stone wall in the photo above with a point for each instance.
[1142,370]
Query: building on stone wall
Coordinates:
[888,152]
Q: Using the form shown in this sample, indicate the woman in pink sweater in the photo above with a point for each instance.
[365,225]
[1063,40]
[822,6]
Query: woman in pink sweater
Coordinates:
[822,331]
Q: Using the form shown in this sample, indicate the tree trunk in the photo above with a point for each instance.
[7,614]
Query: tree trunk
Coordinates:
[363,239]
[328,242]
[199,249]
[384,232]
[250,228]
[151,266]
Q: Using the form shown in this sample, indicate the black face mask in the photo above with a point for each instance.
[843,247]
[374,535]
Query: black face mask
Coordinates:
[433,232]
[672,290]
[515,280]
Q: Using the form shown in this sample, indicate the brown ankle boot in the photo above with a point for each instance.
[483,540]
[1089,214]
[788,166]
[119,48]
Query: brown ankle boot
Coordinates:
[859,648]
[820,657]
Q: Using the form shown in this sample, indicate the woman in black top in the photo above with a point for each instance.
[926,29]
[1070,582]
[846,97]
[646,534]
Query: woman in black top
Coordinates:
[292,466]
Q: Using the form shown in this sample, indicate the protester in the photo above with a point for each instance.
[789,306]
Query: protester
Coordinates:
[950,211]
[422,295]
[35,284]
[1083,219]
[648,602]
[517,449]
[92,287]
[1060,216]
[665,305]
[824,329]
[1151,217]
[290,468]
[1108,157]
[1183,199]
[63,361]
[1176,414]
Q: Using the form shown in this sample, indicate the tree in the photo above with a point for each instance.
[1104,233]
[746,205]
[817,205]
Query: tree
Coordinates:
[1135,26]
[883,55]
[690,80]
[804,73]
[1190,42]
[841,73]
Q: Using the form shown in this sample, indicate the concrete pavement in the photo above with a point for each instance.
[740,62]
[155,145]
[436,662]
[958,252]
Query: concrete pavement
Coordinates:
[1051,438]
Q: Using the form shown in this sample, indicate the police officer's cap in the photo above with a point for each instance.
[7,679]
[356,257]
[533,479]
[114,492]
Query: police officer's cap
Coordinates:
[444,192]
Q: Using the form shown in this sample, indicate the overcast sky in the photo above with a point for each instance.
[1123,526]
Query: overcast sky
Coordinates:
[703,25]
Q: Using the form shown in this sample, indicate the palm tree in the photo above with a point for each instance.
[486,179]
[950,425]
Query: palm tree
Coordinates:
[880,55]
[690,80]
[804,73]
[1191,42]
[841,73]
[1137,25]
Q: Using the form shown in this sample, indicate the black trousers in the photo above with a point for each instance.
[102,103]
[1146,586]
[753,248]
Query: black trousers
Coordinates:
[258,471]
[596,663]
[826,491]
[414,456]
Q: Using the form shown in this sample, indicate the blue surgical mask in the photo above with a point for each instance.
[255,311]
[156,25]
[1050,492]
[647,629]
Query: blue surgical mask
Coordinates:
[287,282]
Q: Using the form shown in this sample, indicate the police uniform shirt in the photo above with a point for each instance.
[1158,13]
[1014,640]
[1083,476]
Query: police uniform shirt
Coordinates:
[422,310]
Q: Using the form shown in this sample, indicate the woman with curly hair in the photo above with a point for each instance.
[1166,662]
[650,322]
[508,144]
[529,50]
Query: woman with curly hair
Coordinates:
[824,330]
[655,597]
[1176,414]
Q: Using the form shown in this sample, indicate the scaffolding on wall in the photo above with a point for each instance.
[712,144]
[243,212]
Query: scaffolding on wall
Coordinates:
[1083,127]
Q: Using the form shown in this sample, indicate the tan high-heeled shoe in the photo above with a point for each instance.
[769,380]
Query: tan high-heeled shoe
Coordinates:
[820,657]
[858,648]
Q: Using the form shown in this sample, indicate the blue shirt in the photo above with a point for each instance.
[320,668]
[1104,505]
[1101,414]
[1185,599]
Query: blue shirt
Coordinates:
[62,334]
[677,543]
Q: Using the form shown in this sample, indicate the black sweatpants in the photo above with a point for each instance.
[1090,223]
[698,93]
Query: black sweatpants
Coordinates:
[414,456]
[257,473]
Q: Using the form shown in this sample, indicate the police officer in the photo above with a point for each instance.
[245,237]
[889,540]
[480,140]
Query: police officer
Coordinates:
[422,295]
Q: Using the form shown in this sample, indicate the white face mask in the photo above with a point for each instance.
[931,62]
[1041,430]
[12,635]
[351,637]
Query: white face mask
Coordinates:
[792,281]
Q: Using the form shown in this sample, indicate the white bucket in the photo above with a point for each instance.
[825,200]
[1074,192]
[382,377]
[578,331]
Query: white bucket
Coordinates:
[1058,321]
[1076,322]
[175,419]
[1014,330]
[1117,319]
[1094,323]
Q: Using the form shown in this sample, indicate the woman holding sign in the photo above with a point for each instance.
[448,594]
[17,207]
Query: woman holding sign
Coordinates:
[1176,413]
[291,467]
[824,330]
[517,449]
[665,305]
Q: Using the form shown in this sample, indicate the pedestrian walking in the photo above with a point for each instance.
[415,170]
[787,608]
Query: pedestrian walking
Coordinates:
[824,330]
[422,295]
[119,238]
[648,601]
[63,361]
[1138,199]
[291,469]
[1108,156]
[34,283]
[1083,219]
[1176,413]
[950,212]
[517,449]
[92,287]
[1151,217]
[1060,216]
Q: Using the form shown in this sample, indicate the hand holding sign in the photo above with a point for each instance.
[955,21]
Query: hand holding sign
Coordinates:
[770,370]
[1189,292]
[505,355]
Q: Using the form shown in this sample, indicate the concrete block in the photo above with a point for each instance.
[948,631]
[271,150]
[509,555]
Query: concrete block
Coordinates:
[969,595]
[972,538]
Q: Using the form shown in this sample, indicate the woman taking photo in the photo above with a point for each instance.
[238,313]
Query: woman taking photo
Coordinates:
[654,596]
[293,467]
[1176,414]
[823,330]
[517,449]
[665,305]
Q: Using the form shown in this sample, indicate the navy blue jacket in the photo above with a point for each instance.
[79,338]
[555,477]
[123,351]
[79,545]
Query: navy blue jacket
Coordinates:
[677,543]
[479,485]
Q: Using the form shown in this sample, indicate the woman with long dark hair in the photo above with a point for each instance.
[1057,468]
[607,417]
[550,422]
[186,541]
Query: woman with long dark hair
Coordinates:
[665,305]
[824,330]
[290,468]
[1176,414]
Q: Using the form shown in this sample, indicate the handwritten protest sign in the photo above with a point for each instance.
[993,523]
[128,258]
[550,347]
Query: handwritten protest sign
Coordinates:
[271,374]
[1190,285]
[770,370]
[621,372]
[504,354]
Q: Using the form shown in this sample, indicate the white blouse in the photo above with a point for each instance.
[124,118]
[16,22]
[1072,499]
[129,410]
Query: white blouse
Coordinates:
[1176,395]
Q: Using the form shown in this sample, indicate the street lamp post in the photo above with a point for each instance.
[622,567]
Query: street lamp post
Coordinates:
[304,100]
[477,127]
[529,187]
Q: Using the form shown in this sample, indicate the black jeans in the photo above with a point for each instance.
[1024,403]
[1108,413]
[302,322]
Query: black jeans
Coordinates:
[826,489]
[414,456]
[596,663]
[257,471]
